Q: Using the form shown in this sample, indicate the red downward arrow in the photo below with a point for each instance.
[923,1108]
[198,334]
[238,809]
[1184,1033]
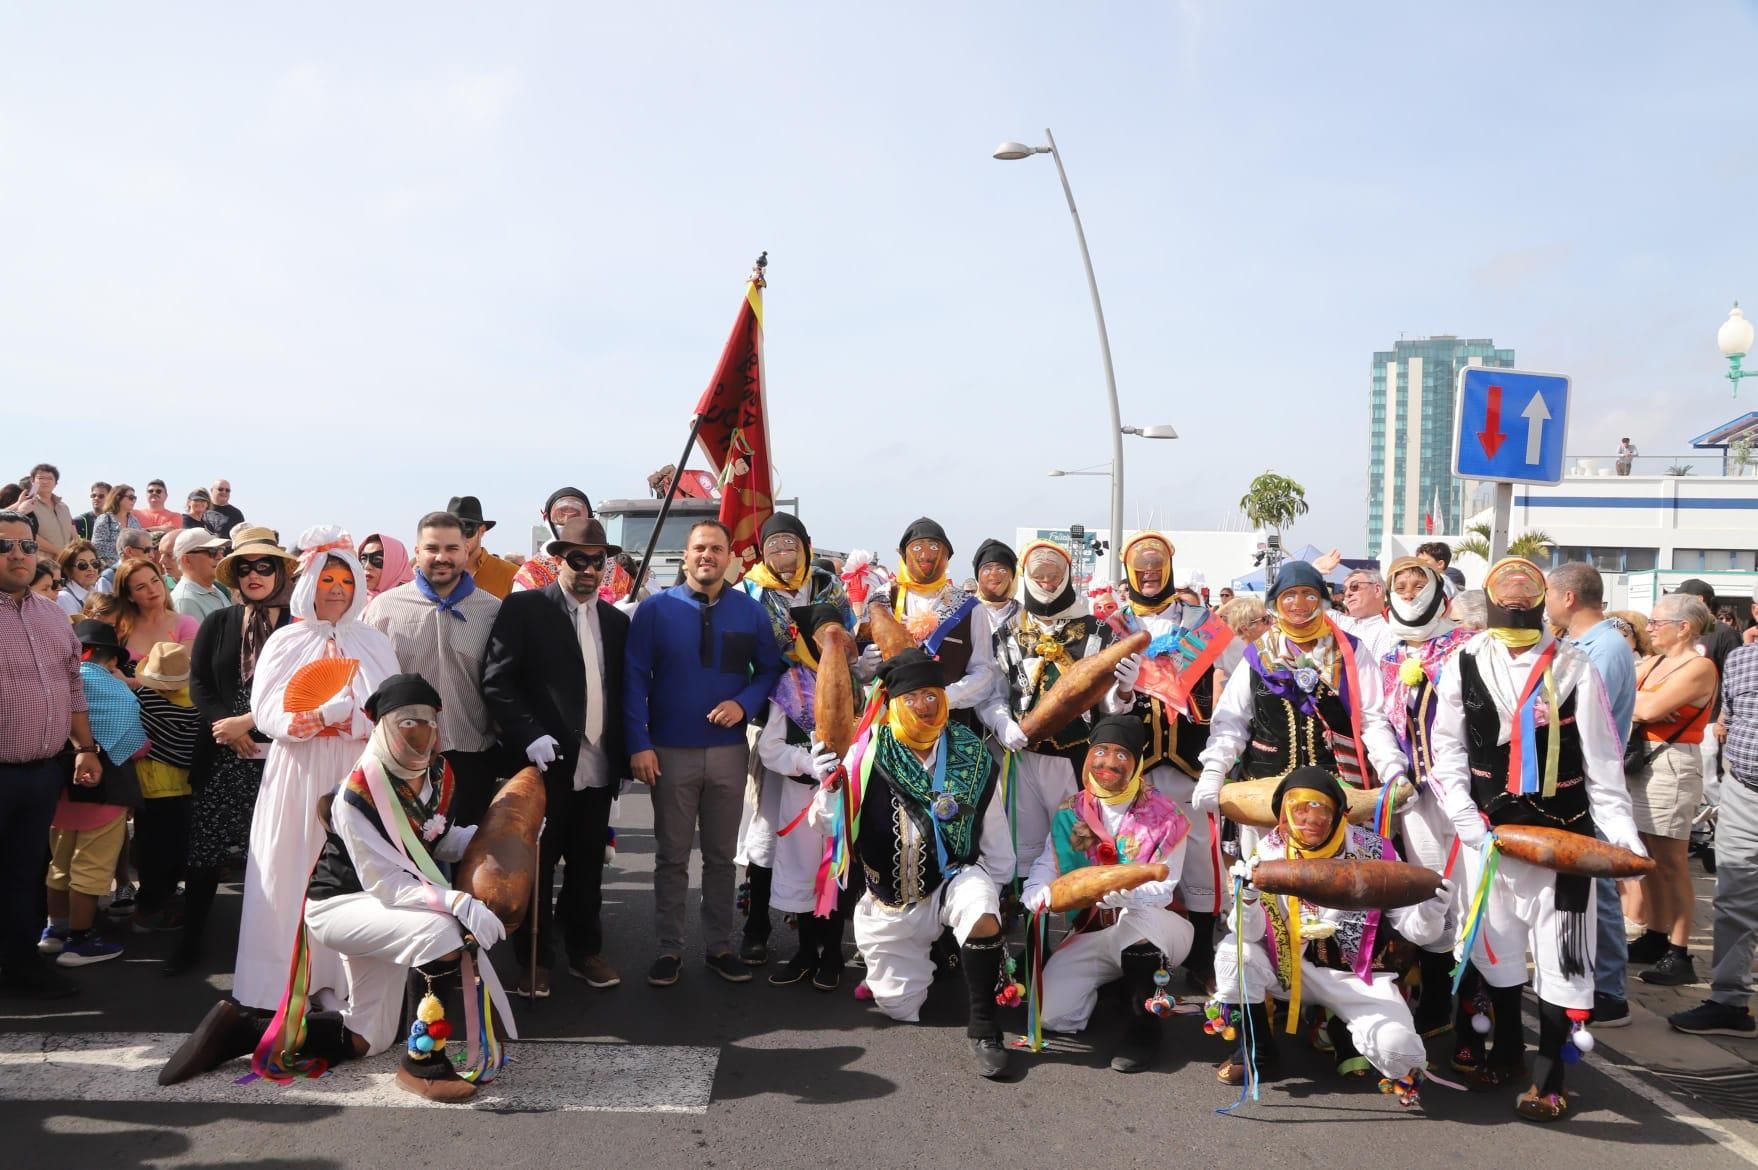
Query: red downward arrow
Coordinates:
[1492,436]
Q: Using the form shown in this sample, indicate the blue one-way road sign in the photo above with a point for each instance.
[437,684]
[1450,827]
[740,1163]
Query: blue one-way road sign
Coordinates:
[1510,425]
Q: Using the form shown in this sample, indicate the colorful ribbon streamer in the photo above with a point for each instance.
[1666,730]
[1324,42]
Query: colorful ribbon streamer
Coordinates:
[1479,906]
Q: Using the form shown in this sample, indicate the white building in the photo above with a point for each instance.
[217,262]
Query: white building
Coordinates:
[1646,531]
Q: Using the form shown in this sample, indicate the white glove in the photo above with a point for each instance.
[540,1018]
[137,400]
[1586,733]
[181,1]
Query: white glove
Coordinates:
[1127,672]
[1037,899]
[541,752]
[338,711]
[867,665]
[824,762]
[478,919]
[1245,867]
[1633,844]
[1444,896]
[1012,738]
[1207,796]
[1116,900]
[1471,830]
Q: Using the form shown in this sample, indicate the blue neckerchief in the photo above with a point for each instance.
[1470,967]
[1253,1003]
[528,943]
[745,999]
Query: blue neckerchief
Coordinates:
[942,754]
[465,587]
[932,645]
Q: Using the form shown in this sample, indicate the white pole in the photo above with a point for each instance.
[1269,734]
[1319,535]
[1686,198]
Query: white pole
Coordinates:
[1105,350]
[1498,534]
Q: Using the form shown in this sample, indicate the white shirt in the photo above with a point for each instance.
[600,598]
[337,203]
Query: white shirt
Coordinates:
[1372,630]
[1608,794]
[592,769]
[379,864]
[1230,728]
[1150,895]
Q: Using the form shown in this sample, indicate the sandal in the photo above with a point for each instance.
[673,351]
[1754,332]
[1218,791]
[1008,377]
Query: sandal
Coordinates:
[1534,1106]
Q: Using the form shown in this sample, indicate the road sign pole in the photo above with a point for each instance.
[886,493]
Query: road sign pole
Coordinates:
[1498,534]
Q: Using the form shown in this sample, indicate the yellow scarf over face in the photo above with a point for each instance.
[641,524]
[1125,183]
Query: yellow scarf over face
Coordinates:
[765,577]
[912,730]
[1126,796]
[1312,631]
[1516,639]
[914,586]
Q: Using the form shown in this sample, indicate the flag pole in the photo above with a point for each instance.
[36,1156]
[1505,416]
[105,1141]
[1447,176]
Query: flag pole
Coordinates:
[683,461]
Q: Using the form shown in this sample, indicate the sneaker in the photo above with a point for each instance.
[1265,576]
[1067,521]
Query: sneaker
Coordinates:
[753,951]
[53,939]
[1715,1019]
[1675,969]
[597,973]
[533,984]
[82,952]
[730,968]
[991,1056]
[122,903]
[1610,1012]
[664,971]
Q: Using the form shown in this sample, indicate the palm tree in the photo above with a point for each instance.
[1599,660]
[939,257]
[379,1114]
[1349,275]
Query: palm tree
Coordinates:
[1531,544]
[1273,502]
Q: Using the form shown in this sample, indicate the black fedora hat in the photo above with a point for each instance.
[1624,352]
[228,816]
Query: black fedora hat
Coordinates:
[96,635]
[468,508]
[581,532]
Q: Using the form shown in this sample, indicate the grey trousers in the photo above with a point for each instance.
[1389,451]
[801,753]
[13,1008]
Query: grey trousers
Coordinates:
[703,786]
[1736,894]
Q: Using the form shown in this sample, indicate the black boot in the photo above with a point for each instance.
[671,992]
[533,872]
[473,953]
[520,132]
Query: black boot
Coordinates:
[1258,1032]
[327,1038]
[1141,1036]
[199,887]
[1544,1100]
[799,968]
[1199,964]
[981,959]
[754,950]
[432,1074]
[228,1031]
[1506,1059]
[828,975]
[1434,1003]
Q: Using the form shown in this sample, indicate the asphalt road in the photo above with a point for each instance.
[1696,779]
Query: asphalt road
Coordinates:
[799,1078]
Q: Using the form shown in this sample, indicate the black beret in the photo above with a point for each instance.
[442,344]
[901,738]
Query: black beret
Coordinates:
[912,670]
[401,690]
[925,529]
[1128,732]
[781,522]
[993,552]
[1293,574]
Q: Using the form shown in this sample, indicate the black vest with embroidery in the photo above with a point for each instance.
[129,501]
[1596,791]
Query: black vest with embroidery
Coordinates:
[1071,739]
[901,873]
[334,874]
[1488,760]
[1283,739]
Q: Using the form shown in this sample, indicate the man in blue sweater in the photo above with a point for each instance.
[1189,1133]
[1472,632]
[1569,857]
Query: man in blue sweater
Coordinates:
[700,663]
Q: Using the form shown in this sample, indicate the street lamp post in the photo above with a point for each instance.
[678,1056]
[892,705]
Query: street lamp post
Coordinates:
[1016,150]
[1735,338]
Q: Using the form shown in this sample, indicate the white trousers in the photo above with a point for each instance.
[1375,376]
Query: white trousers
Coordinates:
[894,943]
[1428,838]
[1203,875]
[1378,1018]
[1522,919]
[793,858]
[1044,781]
[378,945]
[1086,962]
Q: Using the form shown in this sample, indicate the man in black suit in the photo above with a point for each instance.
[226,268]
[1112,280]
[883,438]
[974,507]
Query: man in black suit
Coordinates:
[553,680]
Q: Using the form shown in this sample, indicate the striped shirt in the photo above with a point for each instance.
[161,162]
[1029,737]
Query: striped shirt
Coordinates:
[1739,711]
[39,678]
[445,650]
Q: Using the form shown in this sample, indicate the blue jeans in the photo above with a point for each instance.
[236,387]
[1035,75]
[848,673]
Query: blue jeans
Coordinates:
[1611,960]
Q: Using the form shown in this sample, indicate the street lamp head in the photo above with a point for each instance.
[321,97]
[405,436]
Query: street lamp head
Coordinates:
[1057,474]
[1161,431]
[1735,335]
[1010,151]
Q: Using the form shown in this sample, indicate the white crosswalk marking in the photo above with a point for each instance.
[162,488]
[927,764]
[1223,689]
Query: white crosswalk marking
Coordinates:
[544,1075]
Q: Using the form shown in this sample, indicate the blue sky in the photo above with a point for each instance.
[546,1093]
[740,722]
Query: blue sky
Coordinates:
[362,258]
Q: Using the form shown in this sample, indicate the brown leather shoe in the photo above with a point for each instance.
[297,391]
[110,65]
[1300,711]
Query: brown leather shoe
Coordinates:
[596,972]
[227,1032]
[533,983]
[446,1089]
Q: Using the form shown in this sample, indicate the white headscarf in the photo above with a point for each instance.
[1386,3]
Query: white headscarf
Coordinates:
[315,546]
[1425,616]
[1066,602]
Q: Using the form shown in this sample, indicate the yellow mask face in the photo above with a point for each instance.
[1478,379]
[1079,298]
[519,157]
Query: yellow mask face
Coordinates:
[1308,808]
[919,724]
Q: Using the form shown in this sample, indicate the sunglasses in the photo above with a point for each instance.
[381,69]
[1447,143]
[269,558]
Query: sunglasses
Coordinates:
[84,566]
[26,546]
[582,561]
[262,568]
[470,527]
[376,560]
[204,552]
[129,496]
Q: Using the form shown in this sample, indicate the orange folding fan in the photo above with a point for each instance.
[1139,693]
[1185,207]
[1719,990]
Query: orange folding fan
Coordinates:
[316,683]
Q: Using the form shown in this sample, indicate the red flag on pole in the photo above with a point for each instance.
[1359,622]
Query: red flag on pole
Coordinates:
[734,428]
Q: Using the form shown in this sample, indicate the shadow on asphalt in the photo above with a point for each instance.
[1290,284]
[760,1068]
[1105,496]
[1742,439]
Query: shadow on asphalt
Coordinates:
[124,1136]
[811,1076]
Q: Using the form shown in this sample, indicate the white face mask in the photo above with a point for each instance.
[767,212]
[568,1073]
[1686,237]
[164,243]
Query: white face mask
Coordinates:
[1422,617]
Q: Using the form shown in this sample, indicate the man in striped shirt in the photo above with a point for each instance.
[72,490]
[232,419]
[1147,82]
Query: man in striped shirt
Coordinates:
[42,711]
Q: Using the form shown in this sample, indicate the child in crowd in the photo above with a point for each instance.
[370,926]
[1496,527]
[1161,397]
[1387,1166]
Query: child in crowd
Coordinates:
[161,826]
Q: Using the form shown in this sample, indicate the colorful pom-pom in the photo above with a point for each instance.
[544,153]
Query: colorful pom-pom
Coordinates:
[1571,1054]
[1212,1010]
[1583,1039]
[1480,1024]
[1229,1033]
[440,1030]
[417,1029]
[424,1043]
[430,1009]
[1161,978]
[863,992]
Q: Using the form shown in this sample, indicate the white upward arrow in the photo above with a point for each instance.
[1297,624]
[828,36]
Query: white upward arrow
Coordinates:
[1536,415]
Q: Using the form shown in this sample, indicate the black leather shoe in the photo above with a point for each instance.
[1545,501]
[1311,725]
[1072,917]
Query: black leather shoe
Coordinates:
[227,1032]
[991,1056]
[795,970]
[753,952]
